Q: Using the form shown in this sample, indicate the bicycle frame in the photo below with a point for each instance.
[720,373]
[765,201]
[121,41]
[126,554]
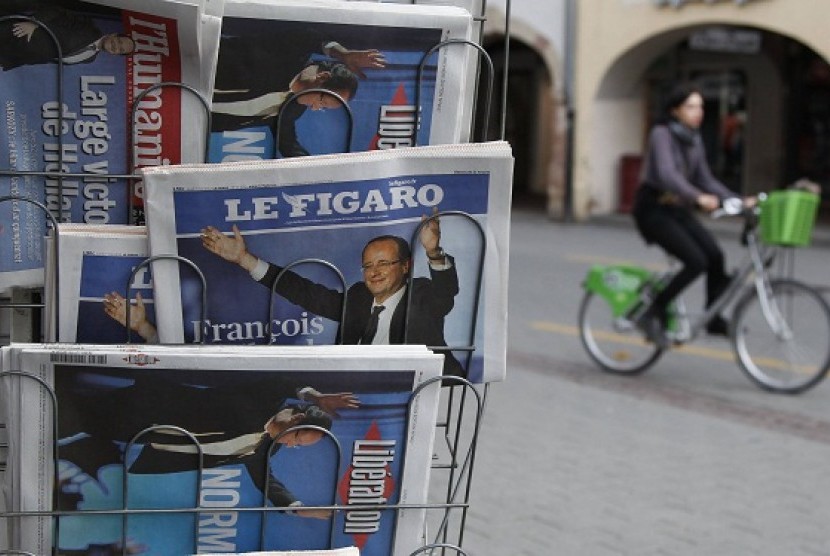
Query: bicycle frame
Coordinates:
[759,258]
[622,286]
[779,332]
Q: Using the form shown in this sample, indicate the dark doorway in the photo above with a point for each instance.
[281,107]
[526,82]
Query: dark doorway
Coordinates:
[725,124]
[803,108]
[527,78]
[808,132]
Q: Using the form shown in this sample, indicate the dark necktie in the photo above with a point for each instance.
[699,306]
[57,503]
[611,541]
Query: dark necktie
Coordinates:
[371,326]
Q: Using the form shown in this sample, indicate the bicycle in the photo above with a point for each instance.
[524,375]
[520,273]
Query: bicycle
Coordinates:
[780,327]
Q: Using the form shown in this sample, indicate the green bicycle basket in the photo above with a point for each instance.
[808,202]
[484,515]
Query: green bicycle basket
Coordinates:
[788,216]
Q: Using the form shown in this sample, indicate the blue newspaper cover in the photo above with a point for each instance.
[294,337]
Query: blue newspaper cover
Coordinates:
[96,263]
[280,436]
[102,275]
[109,56]
[369,54]
[329,210]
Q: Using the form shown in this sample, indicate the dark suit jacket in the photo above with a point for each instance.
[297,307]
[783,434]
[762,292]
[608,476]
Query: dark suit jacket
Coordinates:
[432,300]
[252,65]
[256,65]
[287,145]
[72,30]
[116,415]
[152,461]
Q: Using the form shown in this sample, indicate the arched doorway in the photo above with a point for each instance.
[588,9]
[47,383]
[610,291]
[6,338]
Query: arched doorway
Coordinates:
[528,124]
[767,106]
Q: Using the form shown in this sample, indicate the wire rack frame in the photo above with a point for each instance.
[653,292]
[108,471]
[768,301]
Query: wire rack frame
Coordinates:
[462,465]
[132,177]
[148,262]
[282,273]
[460,456]
[489,83]
[295,99]
[125,512]
[136,217]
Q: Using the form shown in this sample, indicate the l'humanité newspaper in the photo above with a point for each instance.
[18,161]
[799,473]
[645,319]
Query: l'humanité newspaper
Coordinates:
[77,121]
[290,432]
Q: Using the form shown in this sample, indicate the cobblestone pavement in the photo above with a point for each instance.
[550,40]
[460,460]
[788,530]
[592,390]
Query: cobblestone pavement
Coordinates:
[573,461]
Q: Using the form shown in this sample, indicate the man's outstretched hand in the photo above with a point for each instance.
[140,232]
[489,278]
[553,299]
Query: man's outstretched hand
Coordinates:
[430,234]
[330,403]
[356,60]
[231,248]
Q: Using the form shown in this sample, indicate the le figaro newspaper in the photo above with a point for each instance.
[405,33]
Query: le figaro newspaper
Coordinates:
[70,113]
[282,434]
[450,202]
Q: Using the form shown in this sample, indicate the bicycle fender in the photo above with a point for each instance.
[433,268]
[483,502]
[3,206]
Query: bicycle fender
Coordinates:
[619,285]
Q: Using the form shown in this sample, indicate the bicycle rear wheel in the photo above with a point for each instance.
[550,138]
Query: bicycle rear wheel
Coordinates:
[785,349]
[614,343]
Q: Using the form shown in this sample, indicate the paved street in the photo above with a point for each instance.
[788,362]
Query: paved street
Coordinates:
[690,458]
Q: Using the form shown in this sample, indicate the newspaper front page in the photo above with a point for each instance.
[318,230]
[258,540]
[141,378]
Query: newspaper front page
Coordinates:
[369,54]
[77,120]
[368,448]
[96,262]
[328,208]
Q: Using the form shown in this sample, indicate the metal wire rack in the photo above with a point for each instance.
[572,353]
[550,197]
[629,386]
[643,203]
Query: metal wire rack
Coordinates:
[462,403]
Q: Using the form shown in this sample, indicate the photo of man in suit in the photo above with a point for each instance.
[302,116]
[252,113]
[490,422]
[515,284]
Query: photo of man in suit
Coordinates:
[386,264]
[254,83]
[24,42]
[97,421]
[229,115]
[376,307]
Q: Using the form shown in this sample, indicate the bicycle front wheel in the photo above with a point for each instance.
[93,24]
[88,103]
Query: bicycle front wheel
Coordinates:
[614,343]
[784,347]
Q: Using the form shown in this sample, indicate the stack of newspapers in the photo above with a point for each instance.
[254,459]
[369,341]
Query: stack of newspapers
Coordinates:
[281,77]
[92,262]
[229,449]
[207,284]
[319,211]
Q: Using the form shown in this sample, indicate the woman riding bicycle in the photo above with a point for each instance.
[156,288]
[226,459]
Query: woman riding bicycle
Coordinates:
[675,180]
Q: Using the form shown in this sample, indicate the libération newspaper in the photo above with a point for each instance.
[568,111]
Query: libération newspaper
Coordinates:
[254,446]
[328,208]
[368,53]
[73,113]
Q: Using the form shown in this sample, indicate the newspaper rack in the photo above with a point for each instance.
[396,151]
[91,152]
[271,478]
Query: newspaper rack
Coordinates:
[461,405]
[126,511]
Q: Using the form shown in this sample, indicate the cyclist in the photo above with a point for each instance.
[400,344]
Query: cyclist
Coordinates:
[674,181]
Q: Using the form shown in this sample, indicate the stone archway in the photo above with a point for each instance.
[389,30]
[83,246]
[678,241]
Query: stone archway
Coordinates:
[535,121]
[785,96]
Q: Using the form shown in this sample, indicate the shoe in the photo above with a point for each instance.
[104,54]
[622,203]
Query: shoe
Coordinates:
[652,326]
[718,326]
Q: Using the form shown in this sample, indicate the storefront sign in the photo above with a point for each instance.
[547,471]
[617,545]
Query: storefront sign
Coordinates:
[725,39]
[681,3]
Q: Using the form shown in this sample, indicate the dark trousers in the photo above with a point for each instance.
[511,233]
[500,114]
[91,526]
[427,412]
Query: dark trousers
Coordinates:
[680,233]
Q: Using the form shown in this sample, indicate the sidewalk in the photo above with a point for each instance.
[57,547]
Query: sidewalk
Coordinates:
[688,459]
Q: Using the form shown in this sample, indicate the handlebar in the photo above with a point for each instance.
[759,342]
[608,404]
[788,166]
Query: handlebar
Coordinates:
[734,206]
